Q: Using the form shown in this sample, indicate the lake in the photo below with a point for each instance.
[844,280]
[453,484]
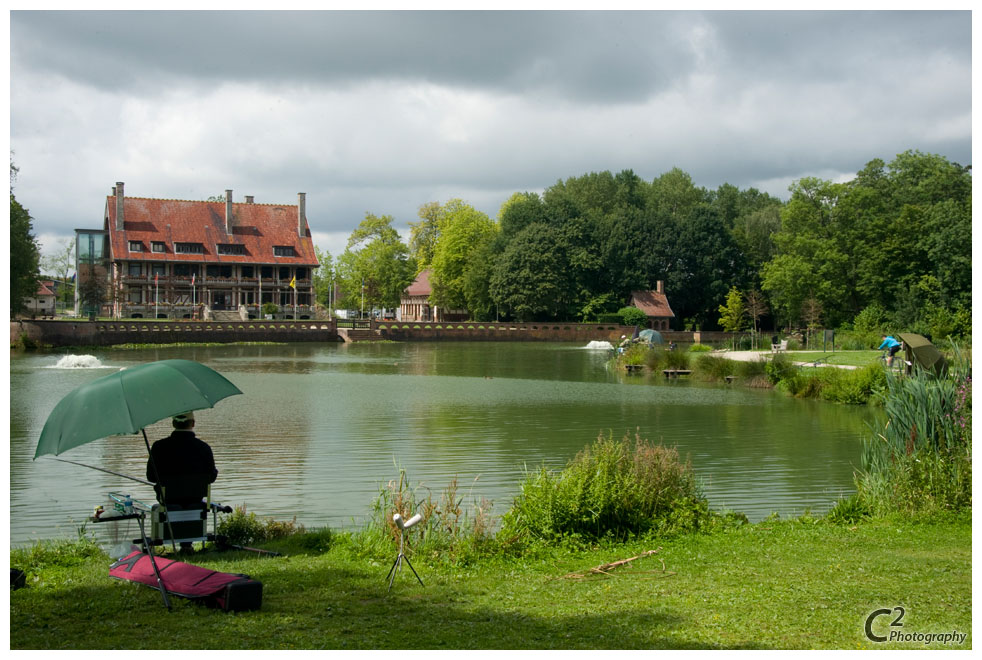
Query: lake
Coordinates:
[320,427]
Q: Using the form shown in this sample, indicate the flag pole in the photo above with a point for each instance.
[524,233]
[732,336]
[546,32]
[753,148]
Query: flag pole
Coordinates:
[156,294]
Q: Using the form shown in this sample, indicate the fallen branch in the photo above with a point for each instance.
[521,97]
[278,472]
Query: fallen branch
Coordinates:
[605,569]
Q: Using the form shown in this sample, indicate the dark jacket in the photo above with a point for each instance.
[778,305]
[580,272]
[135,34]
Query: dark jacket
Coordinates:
[184,465]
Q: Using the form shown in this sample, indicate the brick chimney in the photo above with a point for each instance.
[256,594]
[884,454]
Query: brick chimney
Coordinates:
[301,214]
[228,211]
[249,199]
[118,190]
[660,286]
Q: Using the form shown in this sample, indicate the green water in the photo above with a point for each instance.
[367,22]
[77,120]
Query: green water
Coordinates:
[320,427]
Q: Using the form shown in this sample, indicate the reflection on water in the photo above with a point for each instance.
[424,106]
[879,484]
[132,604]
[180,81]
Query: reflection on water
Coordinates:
[320,427]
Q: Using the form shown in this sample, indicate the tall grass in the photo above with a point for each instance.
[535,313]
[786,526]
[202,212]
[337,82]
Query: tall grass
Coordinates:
[852,386]
[919,457]
[448,529]
[714,367]
[611,488]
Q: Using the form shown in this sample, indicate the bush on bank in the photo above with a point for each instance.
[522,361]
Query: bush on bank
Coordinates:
[611,488]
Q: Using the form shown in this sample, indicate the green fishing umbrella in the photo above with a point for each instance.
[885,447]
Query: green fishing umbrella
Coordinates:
[920,350]
[130,400]
[651,336]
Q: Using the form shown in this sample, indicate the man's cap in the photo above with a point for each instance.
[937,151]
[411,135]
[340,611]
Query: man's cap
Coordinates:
[184,417]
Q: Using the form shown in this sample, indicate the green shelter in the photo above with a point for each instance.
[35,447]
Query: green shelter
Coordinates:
[919,350]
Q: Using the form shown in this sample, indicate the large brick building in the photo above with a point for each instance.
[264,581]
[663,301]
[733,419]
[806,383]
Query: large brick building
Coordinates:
[171,258]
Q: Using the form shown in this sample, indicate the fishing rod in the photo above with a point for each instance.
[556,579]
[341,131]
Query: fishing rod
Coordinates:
[92,467]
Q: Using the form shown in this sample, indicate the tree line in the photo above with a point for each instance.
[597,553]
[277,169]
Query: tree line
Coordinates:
[891,246]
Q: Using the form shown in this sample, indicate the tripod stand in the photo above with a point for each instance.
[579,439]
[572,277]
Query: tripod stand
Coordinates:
[397,564]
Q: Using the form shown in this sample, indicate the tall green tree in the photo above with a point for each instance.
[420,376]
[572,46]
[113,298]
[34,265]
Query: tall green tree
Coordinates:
[24,253]
[732,313]
[60,264]
[527,279]
[423,235]
[375,267]
[674,194]
[462,230]
[699,262]
[323,277]
[518,212]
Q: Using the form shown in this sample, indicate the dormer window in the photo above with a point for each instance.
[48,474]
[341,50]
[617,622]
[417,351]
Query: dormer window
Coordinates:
[284,251]
[158,246]
[189,248]
[136,246]
[231,248]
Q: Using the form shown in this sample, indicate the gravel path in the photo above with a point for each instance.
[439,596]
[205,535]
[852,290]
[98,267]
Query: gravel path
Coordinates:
[751,356]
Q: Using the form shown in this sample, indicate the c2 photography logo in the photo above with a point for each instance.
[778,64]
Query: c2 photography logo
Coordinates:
[897,633]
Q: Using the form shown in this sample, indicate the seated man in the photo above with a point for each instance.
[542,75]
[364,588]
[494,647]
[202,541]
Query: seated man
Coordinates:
[181,465]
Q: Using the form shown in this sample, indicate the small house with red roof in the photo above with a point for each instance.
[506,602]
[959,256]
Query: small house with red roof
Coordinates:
[415,303]
[188,259]
[43,302]
[655,305]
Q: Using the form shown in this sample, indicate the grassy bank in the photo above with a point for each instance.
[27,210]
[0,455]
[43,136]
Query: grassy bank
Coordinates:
[776,584]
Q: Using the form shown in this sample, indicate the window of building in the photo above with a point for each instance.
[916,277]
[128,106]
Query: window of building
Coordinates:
[231,248]
[266,272]
[136,246]
[218,271]
[158,246]
[185,270]
[248,271]
[134,269]
[136,296]
[284,251]
[189,248]
[159,269]
[301,273]
[285,273]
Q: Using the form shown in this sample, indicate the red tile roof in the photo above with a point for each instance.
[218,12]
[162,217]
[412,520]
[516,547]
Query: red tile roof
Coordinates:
[256,227]
[44,289]
[421,285]
[652,303]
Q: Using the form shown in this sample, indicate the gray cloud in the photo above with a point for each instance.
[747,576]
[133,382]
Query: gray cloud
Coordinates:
[384,111]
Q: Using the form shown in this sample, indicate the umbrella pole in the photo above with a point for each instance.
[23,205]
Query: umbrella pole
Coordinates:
[173,545]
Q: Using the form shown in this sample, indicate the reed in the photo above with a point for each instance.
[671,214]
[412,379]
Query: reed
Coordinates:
[919,457]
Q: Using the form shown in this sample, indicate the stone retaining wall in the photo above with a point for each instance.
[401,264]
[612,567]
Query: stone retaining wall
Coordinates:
[139,331]
[477,331]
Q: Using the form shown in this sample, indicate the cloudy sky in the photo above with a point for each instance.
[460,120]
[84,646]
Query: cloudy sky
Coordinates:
[382,112]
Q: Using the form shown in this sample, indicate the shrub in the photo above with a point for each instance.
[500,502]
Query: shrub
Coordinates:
[848,511]
[634,354]
[611,488]
[780,368]
[241,527]
[633,316]
[753,371]
[700,348]
[714,367]
[856,386]
[676,360]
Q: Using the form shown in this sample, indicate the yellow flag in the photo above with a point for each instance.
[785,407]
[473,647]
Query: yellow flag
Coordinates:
[293,282]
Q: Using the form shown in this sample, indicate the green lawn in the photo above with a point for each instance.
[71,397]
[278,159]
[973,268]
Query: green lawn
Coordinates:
[776,584]
[852,358]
